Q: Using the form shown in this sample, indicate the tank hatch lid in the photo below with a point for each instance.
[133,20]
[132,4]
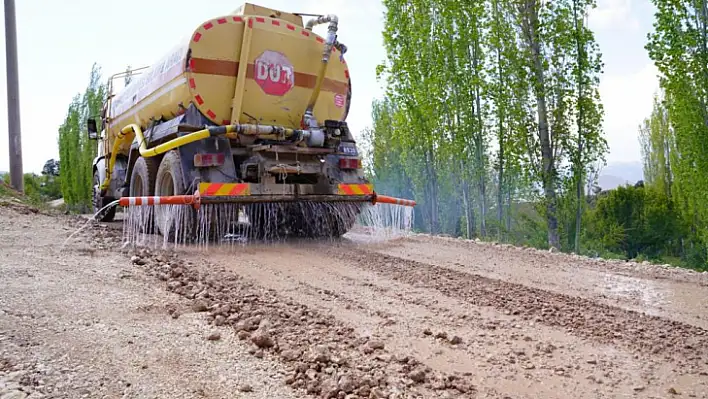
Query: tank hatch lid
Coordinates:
[252,9]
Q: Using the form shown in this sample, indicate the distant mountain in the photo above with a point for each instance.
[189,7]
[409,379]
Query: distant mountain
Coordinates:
[608,182]
[620,173]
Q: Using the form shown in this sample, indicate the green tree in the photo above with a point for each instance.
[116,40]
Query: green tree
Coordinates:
[482,98]
[76,151]
[635,220]
[678,45]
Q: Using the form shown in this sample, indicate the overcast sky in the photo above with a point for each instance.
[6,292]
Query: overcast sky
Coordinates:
[60,40]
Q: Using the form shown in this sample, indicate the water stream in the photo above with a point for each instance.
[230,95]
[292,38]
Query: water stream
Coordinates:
[240,224]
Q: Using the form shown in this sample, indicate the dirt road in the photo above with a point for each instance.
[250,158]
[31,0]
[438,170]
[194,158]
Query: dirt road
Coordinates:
[412,317]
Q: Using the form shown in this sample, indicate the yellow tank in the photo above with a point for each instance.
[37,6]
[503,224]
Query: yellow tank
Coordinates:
[255,65]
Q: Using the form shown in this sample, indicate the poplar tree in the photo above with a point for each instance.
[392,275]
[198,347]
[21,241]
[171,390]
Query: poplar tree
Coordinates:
[76,151]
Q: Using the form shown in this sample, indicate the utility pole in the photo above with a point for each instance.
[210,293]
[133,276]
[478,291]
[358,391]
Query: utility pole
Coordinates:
[13,98]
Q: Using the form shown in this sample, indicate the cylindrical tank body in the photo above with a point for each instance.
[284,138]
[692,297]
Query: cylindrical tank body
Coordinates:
[263,66]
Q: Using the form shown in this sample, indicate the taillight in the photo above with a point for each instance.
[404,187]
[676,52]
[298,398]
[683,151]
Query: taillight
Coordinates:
[349,163]
[207,160]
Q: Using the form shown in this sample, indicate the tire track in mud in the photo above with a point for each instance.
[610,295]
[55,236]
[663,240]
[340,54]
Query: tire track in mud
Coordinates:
[676,341]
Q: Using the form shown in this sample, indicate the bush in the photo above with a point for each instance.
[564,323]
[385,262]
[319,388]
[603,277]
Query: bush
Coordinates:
[633,221]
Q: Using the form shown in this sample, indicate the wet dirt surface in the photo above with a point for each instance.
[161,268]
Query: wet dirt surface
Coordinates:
[411,317]
[83,322]
[666,292]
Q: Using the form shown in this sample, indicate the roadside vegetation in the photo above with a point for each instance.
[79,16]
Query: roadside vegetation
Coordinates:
[39,189]
[492,122]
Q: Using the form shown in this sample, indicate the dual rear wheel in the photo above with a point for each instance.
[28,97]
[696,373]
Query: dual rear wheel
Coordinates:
[151,177]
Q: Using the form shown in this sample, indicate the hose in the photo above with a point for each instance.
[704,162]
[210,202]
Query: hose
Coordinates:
[331,41]
[230,131]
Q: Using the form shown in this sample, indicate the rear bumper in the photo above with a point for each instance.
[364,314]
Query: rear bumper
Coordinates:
[255,193]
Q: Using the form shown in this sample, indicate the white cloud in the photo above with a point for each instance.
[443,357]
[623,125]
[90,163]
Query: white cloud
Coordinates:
[614,14]
[627,100]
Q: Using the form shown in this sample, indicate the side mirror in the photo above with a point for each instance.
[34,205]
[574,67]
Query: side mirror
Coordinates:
[92,129]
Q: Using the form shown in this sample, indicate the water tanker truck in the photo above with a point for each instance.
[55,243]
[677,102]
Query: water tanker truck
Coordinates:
[251,108]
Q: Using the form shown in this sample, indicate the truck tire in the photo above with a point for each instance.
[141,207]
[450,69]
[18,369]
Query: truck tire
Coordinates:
[175,222]
[142,179]
[142,183]
[99,202]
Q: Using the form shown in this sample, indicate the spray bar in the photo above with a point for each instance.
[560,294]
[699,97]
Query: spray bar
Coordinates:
[168,200]
[385,199]
[196,199]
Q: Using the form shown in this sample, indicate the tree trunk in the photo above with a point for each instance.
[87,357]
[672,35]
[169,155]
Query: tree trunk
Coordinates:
[703,12]
[500,116]
[469,212]
[579,160]
[578,215]
[480,142]
[500,188]
[432,193]
[530,16]
[508,211]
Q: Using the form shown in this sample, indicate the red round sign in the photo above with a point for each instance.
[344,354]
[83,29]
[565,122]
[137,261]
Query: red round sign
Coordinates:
[274,73]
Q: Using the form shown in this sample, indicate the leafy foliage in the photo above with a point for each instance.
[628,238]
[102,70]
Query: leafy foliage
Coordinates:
[635,220]
[76,151]
[674,136]
[489,105]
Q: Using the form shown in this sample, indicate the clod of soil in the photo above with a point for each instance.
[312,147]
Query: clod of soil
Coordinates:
[245,388]
[417,375]
[262,339]
[375,345]
[200,305]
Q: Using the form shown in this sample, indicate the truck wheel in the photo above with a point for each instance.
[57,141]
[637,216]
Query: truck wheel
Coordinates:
[142,183]
[99,202]
[142,179]
[175,222]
